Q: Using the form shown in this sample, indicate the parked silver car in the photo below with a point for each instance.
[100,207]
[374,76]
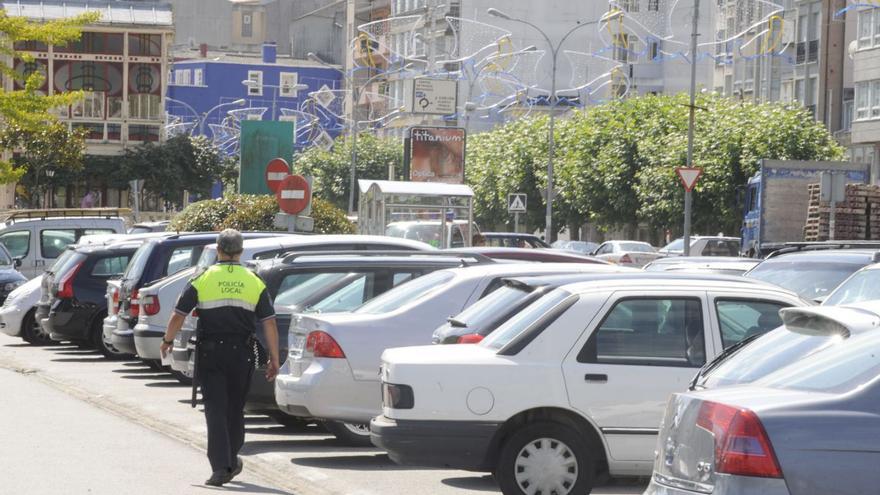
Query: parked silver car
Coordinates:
[809,428]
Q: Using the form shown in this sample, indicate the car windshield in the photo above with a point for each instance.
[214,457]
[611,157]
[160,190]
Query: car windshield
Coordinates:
[810,279]
[524,319]
[406,293]
[676,245]
[138,262]
[863,286]
[842,368]
[298,287]
[5,260]
[636,247]
[768,353]
[488,309]
[208,257]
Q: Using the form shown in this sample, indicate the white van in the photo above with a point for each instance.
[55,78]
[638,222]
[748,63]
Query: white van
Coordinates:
[34,238]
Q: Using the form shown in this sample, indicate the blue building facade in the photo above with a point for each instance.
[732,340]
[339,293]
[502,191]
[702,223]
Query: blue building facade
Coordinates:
[203,94]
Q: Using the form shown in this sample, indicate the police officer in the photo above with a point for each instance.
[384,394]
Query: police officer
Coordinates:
[229,297]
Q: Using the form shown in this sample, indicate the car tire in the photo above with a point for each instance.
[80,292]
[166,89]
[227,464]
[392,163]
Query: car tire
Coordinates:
[350,434]
[32,332]
[105,348]
[181,377]
[547,453]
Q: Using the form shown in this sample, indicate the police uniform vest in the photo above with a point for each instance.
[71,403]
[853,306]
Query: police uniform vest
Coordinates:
[228,295]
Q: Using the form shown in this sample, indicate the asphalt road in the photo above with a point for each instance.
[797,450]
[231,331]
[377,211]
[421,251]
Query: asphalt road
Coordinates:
[73,422]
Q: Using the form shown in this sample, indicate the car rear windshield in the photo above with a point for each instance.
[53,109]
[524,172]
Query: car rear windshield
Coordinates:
[636,247]
[676,245]
[811,279]
[481,315]
[59,261]
[524,319]
[406,293]
[863,286]
[138,262]
[208,257]
[840,369]
[768,353]
[69,263]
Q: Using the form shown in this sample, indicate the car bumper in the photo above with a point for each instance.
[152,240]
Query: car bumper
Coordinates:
[147,339]
[181,353]
[453,444]
[123,337]
[109,326]
[726,485]
[67,325]
[327,390]
[11,318]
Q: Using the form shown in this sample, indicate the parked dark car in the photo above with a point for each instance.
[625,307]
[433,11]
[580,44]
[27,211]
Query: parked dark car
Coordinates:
[482,318]
[333,282]
[155,259]
[76,293]
[813,274]
[514,240]
[10,277]
[526,254]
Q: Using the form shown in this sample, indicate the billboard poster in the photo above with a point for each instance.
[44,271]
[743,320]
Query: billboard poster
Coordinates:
[261,142]
[435,154]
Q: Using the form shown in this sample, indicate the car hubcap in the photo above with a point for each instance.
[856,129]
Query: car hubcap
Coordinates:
[546,466]
[358,429]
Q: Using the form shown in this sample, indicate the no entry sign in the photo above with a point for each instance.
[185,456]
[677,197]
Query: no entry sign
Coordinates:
[276,171]
[294,194]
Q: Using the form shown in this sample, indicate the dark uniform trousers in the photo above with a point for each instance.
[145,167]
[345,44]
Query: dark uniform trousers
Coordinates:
[224,370]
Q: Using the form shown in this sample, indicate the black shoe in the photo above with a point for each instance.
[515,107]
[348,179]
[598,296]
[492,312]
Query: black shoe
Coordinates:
[239,465]
[219,478]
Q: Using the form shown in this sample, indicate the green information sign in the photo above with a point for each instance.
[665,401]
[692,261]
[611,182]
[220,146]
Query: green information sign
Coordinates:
[262,142]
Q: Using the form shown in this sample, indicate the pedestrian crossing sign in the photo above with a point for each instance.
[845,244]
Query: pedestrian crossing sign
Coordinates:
[516,203]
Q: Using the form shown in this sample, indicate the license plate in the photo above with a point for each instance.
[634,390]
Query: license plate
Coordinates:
[299,343]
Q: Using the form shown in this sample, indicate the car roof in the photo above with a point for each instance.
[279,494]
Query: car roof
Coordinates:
[508,234]
[675,260]
[294,240]
[352,260]
[93,248]
[842,255]
[553,280]
[671,280]
[522,269]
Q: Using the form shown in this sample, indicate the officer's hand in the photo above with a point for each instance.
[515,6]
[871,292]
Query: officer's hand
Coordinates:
[165,348]
[271,370]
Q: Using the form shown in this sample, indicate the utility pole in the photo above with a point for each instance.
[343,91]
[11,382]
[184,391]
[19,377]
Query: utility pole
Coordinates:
[691,117]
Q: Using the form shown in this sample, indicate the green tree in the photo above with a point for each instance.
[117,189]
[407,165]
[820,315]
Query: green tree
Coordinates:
[27,109]
[331,169]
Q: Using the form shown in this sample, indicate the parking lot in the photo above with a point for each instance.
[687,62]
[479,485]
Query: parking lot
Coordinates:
[278,460]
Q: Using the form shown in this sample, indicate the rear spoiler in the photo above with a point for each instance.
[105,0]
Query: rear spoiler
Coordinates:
[829,320]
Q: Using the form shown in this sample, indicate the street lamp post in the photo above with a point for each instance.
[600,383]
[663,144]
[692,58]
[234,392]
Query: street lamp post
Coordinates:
[554,100]
[353,128]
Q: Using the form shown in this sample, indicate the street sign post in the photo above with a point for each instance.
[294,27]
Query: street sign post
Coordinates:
[294,196]
[689,177]
[276,171]
[431,96]
[516,204]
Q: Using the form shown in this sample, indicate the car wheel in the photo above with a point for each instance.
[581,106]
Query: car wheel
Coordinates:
[32,332]
[184,378]
[350,434]
[103,345]
[547,458]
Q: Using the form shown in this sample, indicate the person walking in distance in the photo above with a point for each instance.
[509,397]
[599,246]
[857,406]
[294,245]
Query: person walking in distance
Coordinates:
[229,298]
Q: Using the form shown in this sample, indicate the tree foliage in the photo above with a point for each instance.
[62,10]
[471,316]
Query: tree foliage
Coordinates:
[50,146]
[253,212]
[615,162]
[26,109]
[331,169]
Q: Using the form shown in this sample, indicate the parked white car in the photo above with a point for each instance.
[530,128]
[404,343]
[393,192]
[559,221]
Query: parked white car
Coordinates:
[577,379]
[17,312]
[702,245]
[331,369]
[634,254]
[38,237]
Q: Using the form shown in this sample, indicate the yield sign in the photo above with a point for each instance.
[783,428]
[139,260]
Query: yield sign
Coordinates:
[294,194]
[276,171]
[689,176]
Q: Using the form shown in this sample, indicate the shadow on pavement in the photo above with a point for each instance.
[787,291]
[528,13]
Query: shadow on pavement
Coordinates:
[155,375]
[165,384]
[481,483]
[236,486]
[81,352]
[23,344]
[364,462]
[91,359]
[134,371]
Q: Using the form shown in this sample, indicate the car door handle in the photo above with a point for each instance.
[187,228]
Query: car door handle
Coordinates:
[597,378]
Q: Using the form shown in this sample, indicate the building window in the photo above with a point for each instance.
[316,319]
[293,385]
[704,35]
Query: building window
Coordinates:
[182,77]
[869,28]
[867,100]
[847,116]
[256,87]
[287,82]
[653,5]
[198,77]
[247,25]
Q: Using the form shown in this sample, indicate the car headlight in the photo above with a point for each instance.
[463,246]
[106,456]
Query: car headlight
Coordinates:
[11,286]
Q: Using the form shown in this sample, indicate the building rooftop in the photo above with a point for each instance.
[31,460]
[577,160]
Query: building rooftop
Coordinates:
[112,12]
[224,57]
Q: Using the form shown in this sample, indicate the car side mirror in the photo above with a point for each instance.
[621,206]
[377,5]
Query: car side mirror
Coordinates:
[16,262]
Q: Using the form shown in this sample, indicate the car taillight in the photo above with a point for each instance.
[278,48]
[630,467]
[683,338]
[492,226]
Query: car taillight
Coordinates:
[471,338]
[134,309]
[625,259]
[65,285]
[151,305]
[114,309]
[321,344]
[741,444]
